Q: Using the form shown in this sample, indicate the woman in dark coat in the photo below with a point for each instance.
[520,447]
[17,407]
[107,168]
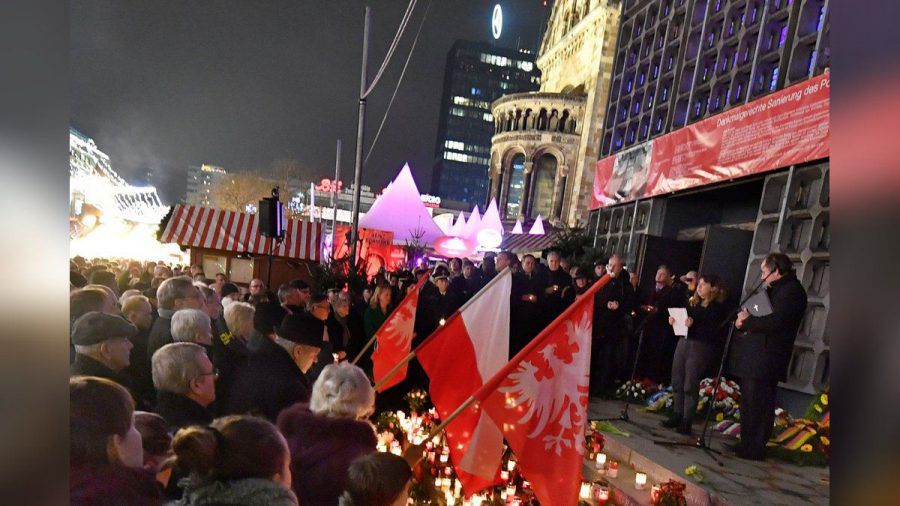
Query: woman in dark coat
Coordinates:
[105,452]
[694,353]
[328,434]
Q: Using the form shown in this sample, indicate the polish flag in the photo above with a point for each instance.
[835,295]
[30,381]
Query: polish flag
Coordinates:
[469,349]
[394,339]
[539,402]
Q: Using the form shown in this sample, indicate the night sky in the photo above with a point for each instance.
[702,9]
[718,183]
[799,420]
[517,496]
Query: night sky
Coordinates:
[161,85]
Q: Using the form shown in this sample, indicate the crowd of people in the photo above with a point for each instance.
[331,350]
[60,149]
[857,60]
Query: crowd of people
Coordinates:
[194,389]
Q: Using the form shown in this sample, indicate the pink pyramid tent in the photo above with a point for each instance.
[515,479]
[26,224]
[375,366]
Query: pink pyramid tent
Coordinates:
[491,218]
[459,226]
[538,227]
[473,225]
[518,228]
[400,210]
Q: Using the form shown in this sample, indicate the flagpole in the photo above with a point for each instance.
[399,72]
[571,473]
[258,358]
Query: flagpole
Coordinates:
[435,431]
[407,359]
[494,382]
[375,335]
[455,315]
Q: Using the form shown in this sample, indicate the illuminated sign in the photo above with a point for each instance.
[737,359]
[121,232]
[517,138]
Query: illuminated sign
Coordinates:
[329,185]
[497,21]
[431,200]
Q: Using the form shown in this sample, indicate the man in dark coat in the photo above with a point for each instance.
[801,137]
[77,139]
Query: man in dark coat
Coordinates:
[557,280]
[137,310]
[185,380]
[526,308]
[612,304]
[468,284]
[173,294]
[102,347]
[658,348]
[761,351]
[275,375]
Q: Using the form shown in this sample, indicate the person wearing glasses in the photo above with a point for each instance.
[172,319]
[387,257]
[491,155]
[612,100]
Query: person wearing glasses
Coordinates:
[185,382]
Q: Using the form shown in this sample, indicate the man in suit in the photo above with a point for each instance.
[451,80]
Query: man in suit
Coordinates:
[762,350]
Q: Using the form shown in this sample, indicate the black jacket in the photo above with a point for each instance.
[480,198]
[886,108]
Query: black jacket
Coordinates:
[270,382]
[707,326]
[178,411]
[87,366]
[609,323]
[138,371]
[762,349]
[160,335]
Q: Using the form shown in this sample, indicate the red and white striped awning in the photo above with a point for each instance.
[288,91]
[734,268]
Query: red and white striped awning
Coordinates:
[205,227]
[527,243]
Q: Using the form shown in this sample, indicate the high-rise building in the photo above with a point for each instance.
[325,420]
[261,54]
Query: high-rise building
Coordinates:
[477,73]
[199,181]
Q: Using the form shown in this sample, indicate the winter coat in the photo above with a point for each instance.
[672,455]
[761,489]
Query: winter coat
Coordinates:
[763,347]
[270,382]
[87,366]
[245,492]
[609,323]
[160,333]
[138,370]
[322,449]
[112,485]
[178,411]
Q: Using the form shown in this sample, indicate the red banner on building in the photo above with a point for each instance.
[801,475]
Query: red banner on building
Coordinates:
[787,127]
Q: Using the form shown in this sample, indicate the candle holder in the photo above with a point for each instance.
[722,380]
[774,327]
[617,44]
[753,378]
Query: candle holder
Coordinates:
[600,464]
[613,470]
[640,481]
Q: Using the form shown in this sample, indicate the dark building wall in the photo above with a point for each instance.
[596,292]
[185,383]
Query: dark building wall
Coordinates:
[476,74]
[681,61]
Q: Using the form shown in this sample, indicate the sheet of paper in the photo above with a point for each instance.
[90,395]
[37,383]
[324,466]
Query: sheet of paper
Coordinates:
[680,315]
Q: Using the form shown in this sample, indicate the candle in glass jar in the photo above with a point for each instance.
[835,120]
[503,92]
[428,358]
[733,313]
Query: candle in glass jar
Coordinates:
[640,481]
[504,475]
[585,491]
[603,493]
[613,470]
[601,461]
[511,465]
[654,493]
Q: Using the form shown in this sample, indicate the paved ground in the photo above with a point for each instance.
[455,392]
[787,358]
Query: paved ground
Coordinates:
[738,481]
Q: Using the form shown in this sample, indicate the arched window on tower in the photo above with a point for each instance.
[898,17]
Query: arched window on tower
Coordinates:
[543,182]
[516,181]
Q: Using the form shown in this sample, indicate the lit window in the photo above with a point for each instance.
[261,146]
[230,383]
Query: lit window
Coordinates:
[488,117]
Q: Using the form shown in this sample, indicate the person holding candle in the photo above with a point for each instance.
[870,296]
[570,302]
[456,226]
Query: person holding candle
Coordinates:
[696,352]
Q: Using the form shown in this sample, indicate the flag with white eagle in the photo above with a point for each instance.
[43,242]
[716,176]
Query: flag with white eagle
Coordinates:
[539,401]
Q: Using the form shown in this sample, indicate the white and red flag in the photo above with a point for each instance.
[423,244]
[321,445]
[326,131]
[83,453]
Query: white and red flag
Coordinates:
[539,402]
[459,357]
[394,339]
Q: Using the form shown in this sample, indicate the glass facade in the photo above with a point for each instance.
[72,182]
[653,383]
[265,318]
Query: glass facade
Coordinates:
[476,74]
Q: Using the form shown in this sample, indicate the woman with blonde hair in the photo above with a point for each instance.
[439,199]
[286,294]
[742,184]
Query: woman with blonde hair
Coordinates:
[236,460]
[329,433]
[695,352]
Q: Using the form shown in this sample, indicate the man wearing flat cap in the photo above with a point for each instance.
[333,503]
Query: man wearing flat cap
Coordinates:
[275,375]
[102,346]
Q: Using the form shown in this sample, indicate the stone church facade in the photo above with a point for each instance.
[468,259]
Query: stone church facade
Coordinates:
[546,143]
